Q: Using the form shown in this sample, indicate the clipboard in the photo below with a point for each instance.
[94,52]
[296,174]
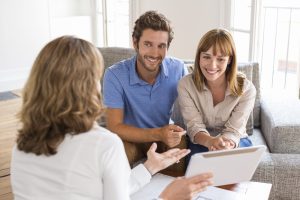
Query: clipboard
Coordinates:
[228,166]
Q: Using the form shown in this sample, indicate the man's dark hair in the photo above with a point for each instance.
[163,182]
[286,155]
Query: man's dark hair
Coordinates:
[152,20]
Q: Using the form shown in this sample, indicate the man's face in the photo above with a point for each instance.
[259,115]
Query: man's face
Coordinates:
[151,50]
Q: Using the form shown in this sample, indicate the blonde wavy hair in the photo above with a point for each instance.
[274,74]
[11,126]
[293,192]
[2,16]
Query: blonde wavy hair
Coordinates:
[220,40]
[62,95]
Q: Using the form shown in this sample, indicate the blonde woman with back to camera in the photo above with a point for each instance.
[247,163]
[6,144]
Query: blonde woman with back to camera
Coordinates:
[61,152]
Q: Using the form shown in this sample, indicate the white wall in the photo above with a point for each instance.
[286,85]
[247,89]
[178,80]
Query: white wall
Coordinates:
[69,17]
[27,25]
[24,30]
[190,20]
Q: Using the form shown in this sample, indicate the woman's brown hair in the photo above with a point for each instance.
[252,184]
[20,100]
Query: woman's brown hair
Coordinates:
[220,40]
[61,96]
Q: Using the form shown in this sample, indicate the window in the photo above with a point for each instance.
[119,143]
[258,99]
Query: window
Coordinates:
[267,31]
[241,28]
[103,22]
[112,23]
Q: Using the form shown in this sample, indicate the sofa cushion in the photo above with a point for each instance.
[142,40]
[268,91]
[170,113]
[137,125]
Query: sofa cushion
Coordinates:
[112,55]
[247,69]
[256,83]
[280,124]
[257,138]
[251,70]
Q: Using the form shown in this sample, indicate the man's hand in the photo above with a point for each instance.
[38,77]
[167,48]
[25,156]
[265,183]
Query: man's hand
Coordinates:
[220,142]
[158,161]
[171,134]
[186,188]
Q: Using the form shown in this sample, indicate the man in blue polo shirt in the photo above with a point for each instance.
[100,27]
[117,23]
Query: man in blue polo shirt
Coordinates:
[140,92]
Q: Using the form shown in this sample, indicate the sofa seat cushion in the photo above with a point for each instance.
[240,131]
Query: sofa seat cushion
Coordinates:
[257,138]
[280,124]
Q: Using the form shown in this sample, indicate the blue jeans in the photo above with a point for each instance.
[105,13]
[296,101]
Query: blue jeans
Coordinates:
[197,148]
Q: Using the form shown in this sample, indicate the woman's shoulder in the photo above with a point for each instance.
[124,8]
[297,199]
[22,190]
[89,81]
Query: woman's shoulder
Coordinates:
[248,87]
[187,79]
[186,84]
[99,133]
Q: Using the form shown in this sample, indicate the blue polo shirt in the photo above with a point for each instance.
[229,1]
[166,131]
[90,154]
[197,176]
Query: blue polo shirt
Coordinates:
[144,105]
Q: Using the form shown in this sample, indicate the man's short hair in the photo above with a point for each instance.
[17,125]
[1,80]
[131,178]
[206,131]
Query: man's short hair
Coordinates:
[152,20]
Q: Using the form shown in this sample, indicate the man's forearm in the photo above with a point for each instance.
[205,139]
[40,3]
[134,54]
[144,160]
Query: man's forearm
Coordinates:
[134,134]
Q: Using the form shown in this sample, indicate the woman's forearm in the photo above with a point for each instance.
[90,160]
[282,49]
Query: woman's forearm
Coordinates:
[203,138]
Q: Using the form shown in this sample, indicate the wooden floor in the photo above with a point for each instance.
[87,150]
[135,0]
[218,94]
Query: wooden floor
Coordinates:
[8,131]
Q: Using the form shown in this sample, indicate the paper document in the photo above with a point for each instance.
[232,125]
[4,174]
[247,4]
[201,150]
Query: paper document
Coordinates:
[153,188]
[215,193]
[160,181]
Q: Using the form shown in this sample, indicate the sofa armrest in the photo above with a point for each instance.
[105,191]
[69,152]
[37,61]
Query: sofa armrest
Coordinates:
[280,124]
[283,172]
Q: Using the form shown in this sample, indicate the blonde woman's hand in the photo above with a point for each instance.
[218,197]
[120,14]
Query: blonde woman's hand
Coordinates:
[186,188]
[158,161]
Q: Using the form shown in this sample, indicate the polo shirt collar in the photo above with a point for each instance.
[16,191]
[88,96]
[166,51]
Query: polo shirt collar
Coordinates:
[164,68]
[134,77]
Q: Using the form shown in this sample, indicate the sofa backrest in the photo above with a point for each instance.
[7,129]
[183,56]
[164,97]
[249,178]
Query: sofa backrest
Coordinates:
[251,70]
[112,55]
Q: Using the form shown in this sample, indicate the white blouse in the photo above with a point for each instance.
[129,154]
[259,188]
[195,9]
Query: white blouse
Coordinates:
[91,165]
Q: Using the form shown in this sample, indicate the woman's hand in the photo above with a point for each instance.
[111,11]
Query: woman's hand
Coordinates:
[158,161]
[186,188]
[220,142]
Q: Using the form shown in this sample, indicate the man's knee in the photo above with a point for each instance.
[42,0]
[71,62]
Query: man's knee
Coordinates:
[134,152]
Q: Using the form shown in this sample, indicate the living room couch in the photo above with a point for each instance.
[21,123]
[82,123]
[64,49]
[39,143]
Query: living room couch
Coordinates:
[275,122]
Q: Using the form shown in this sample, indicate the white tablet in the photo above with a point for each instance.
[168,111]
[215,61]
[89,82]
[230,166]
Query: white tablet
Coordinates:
[228,166]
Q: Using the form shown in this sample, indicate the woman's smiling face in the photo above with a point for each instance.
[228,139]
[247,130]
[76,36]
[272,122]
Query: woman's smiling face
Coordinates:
[213,66]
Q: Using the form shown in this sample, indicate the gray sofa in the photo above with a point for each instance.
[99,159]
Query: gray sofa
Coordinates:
[274,123]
